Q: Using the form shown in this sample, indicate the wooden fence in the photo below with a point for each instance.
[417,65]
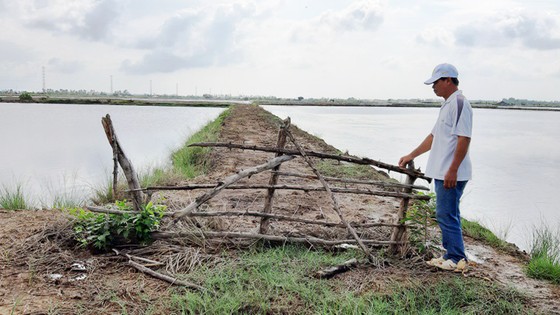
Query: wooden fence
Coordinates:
[281,155]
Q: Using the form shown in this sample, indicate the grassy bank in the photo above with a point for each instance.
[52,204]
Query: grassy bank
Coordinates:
[193,161]
[279,280]
[481,233]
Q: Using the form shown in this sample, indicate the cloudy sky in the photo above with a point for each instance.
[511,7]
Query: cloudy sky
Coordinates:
[286,48]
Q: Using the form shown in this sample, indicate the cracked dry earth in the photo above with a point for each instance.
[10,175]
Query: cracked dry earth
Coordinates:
[34,244]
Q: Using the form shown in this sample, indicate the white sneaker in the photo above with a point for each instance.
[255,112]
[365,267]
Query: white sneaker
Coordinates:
[434,262]
[449,265]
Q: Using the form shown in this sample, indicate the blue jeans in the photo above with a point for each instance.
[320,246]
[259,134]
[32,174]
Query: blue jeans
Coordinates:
[449,219]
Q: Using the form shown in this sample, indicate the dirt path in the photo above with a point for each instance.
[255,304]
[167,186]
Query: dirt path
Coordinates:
[34,244]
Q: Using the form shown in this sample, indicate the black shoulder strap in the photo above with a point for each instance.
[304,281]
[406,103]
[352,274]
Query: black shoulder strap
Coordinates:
[460,103]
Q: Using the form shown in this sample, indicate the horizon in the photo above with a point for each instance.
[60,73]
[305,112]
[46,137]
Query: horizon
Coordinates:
[217,97]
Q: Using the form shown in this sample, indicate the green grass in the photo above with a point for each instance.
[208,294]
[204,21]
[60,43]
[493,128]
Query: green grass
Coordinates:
[348,170]
[13,199]
[277,280]
[193,161]
[545,255]
[66,201]
[479,232]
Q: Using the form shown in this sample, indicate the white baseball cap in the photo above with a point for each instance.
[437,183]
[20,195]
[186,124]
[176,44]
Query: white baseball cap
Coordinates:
[443,70]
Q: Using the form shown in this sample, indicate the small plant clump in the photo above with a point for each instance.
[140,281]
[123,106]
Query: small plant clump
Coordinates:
[101,231]
[13,199]
[421,215]
[545,256]
[25,97]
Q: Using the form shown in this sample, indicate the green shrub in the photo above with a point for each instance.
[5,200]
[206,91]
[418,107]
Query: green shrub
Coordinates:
[421,215]
[25,97]
[101,231]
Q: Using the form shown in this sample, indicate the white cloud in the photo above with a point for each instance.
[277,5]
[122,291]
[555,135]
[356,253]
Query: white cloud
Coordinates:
[359,16]
[363,15]
[436,37]
[194,38]
[89,20]
[531,30]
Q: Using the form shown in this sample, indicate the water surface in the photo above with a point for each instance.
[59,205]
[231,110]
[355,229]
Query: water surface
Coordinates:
[49,148]
[515,156]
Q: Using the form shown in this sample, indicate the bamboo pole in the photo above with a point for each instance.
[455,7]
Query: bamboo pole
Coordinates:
[227,182]
[363,161]
[400,232]
[274,238]
[287,218]
[297,187]
[280,143]
[126,165]
[255,214]
[355,181]
[336,207]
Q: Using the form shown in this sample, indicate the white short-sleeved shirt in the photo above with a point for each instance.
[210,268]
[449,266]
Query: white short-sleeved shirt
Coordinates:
[455,119]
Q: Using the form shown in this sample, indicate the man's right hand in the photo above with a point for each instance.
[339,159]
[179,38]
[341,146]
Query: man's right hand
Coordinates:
[405,160]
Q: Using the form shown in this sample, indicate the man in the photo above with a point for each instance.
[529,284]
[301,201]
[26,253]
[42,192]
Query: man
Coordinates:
[449,163]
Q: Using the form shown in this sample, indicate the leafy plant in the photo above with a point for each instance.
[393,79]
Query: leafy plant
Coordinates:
[101,231]
[25,97]
[421,215]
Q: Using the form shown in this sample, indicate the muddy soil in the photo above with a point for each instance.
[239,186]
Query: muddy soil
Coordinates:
[43,272]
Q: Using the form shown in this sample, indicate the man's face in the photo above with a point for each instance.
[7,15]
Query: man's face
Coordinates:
[441,87]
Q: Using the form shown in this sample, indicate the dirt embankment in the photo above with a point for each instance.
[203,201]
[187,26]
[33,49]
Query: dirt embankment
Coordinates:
[38,274]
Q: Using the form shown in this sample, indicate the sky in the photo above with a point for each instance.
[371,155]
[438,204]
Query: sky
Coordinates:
[382,49]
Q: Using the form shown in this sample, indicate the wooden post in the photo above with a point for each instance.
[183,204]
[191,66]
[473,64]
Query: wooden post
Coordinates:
[115,168]
[399,232]
[280,143]
[126,165]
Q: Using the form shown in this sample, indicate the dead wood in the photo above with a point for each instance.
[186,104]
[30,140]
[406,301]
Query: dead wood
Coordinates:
[399,233]
[333,271]
[107,211]
[287,218]
[126,165]
[355,181]
[156,274]
[297,187]
[227,182]
[336,207]
[165,278]
[280,143]
[274,238]
[363,161]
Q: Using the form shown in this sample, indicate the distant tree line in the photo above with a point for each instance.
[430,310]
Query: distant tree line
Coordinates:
[523,102]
